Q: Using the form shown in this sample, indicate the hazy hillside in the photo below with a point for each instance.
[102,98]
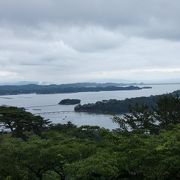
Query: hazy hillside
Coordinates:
[63,88]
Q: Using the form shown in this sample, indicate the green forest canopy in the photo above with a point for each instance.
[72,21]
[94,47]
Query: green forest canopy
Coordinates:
[56,151]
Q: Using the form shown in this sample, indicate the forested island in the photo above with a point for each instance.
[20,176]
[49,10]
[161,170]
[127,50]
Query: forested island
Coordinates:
[114,106]
[145,146]
[63,88]
[69,101]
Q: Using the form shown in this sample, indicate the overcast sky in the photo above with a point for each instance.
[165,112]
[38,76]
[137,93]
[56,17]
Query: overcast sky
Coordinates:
[66,41]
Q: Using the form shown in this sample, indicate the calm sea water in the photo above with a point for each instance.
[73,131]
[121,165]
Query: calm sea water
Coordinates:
[47,105]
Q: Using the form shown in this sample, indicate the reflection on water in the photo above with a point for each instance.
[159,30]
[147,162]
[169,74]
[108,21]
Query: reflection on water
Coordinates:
[47,105]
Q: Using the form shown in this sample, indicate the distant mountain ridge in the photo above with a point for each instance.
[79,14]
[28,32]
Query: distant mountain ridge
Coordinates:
[18,83]
[64,88]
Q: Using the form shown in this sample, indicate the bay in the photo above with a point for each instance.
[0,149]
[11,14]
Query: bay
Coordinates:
[47,106]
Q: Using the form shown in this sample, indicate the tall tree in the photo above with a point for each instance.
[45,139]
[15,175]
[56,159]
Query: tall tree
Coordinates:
[151,119]
[18,121]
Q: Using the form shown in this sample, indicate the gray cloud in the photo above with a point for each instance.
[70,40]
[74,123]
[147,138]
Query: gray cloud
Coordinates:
[67,40]
[155,18]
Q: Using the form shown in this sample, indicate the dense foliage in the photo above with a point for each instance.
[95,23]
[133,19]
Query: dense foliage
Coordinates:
[19,122]
[90,153]
[146,119]
[114,106]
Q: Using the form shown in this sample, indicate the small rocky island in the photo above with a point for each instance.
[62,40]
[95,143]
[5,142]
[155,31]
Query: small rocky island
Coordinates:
[70,101]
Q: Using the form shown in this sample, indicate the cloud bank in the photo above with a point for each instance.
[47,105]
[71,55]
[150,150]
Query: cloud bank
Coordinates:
[93,40]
